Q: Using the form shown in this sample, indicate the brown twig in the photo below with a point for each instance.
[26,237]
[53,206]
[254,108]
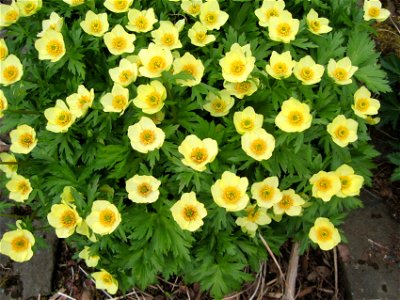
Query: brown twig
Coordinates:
[291,274]
[336,274]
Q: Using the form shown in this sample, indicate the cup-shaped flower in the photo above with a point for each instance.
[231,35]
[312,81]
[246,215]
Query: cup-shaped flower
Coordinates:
[80,101]
[198,35]
[341,71]
[266,192]
[280,65]
[364,105]
[242,89]
[145,136]
[191,66]
[143,188]
[59,118]
[351,183]
[8,164]
[219,105]
[19,187]
[373,11]
[3,103]
[290,204]
[11,70]
[188,212]
[255,216]
[324,234]
[23,139]
[167,35]
[118,6]
[3,49]
[198,153]
[105,280]
[247,120]
[55,22]
[258,144]
[50,46]
[95,24]
[29,7]
[74,3]
[64,218]
[141,20]
[116,101]
[155,59]
[118,41]
[211,16]
[269,9]
[91,260]
[325,185]
[150,97]
[238,63]
[192,7]
[9,14]
[307,71]
[17,244]
[104,217]
[283,28]
[343,131]
[294,116]
[317,25]
[229,192]
[125,73]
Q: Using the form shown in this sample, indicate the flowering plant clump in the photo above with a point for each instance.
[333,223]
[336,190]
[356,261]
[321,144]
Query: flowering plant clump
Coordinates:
[164,137]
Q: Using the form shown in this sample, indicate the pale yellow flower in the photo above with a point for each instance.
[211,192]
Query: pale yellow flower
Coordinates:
[351,183]
[294,116]
[95,24]
[67,196]
[116,101]
[8,164]
[189,65]
[324,234]
[145,136]
[255,216]
[80,102]
[155,59]
[9,14]
[198,35]
[125,73]
[23,139]
[188,212]
[11,70]
[266,192]
[290,204]
[59,118]
[29,7]
[19,187]
[325,185]
[258,144]
[192,7]
[167,35]
[64,218]
[50,46]
[3,49]
[247,120]
[229,192]
[242,89]
[283,28]
[280,65]
[143,188]
[211,16]
[55,22]
[317,25]
[307,71]
[74,3]
[268,9]
[105,281]
[104,217]
[373,11]
[17,244]
[90,260]
[219,105]
[364,105]
[341,71]
[141,21]
[3,103]
[343,131]
[150,97]
[118,41]
[238,63]
[118,6]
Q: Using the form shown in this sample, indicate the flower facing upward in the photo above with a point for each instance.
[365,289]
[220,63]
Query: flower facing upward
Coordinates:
[50,46]
[238,63]
[19,188]
[29,7]
[247,120]
[192,7]
[373,11]
[242,89]
[188,212]
[90,260]
[155,59]
[219,106]
[55,22]
[269,9]
[150,97]
[11,70]
[351,183]
[290,204]
[343,131]
[116,101]
[141,21]
[307,71]
[10,169]
[280,65]
[145,136]
[9,14]
[104,217]
[266,193]
[198,35]
[283,28]
[364,105]
[59,118]
[254,217]
[125,73]
[294,116]
[325,185]
[258,144]
[211,16]
[341,71]
[229,192]
[105,281]
[17,244]
[317,25]
[23,139]
[96,25]
[189,65]
[324,234]
[118,6]
[80,102]
[167,35]
[64,218]
[143,189]
[118,41]
[198,153]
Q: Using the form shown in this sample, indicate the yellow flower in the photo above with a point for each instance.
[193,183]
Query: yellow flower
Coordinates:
[211,16]
[258,144]
[341,71]
[290,204]
[67,196]
[141,21]
[3,103]
[11,166]
[155,59]
[247,120]
[96,25]
[118,41]
[192,7]
[266,192]
[158,117]
[373,11]
[229,192]
[125,73]
[54,23]
[280,65]
[254,217]
[23,139]
[105,281]
[242,89]
[324,234]
[317,25]
[150,97]
[237,64]
[83,229]
[283,28]
[198,153]
[19,188]
[64,218]
[118,6]
[9,14]
[351,183]
[219,106]
[117,100]
[364,105]
[294,116]
[3,49]
[11,70]
[80,102]
[50,46]
[198,35]
[372,121]
[143,189]
[104,217]
[167,35]
[29,7]
[188,212]
[307,71]
[343,131]
[59,118]
[268,9]
[90,260]
[190,65]
[325,185]
[17,244]
[145,136]
[74,2]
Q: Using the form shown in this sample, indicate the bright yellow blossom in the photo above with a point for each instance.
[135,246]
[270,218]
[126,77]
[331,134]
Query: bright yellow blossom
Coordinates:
[364,105]
[255,216]
[55,22]
[90,260]
[10,167]
[125,73]
[59,118]
[290,204]
[373,11]
[3,49]
[343,131]
[192,7]
[198,35]
[141,21]
[242,89]
[118,6]
[64,218]
[116,101]
[23,139]
[104,217]
[50,46]
[283,28]
[95,24]
[211,16]
[167,35]
[3,103]
[143,188]
[145,136]
[118,41]
[9,14]
[258,144]
[219,106]
[74,3]
[324,234]
[307,71]
[80,102]
[189,65]
[294,116]
[341,71]
[150,97]
[29,7]
[188,212]
[19,187]
[247,120]
[280,65]
[266,192]
[17,244]
[155,59]
[325,185]
[351,183]
[105,281]
[11,70]
[238,63]
[317,25]
[269,9]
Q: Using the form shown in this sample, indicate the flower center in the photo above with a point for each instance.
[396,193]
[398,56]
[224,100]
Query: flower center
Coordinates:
[286,202]
[144,189]
[107,217]
[242,87]
[362,104]
[153,99]
[83,100]
[157,64]
[77,2]
[266,193]
[190,213]
[324,234]
[54,48]
[11,16]
[253,215]
[20,243]
[340,74]
[141,22]
[10,73]
[374,11]
[219,105]
[258,146]
[119,43]
[1,104]
[120,4]
[64,118]
[194,9]
[201,36]
[199,155]
[345,181]
[280,68]
[168,39]
[125,76]
[23,188]
[147,137]
[342,132]
[96,26]
[107,279]
[237,67]
[119,102]
[26,140]
[284,29]
[324,184]
[68,219]
[307,73]
[29,7]
[211,18]
[247,124]
[271,12]
[231,194]
[2,53]
[295,118]
[315,25]
[190,69]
